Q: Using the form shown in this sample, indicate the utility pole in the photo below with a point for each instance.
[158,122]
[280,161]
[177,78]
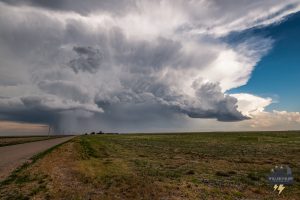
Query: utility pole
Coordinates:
[49,130]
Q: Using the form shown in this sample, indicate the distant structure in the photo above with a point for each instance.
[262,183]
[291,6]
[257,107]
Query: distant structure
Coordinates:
[100,132]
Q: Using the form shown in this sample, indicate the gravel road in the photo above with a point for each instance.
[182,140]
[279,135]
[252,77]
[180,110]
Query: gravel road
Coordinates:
[15,155]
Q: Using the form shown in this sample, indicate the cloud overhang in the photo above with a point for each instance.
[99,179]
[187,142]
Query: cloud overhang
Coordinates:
[136,64]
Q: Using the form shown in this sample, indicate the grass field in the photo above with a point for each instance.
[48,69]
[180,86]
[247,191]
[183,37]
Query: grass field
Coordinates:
[162,166]
[12,140]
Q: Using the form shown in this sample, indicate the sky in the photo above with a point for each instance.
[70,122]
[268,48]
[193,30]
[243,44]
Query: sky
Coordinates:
[149,66]
[280,66]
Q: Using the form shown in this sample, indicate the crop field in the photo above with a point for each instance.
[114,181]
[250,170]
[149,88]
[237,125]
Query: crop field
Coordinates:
[160,166]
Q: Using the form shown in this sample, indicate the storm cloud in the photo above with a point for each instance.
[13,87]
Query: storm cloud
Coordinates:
[128,65]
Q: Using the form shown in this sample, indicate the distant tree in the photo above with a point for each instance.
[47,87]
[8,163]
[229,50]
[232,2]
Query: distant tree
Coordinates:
[85,134]
[100,132]
[92,133]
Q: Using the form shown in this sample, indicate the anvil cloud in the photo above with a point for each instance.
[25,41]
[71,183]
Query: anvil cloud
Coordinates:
[130,65]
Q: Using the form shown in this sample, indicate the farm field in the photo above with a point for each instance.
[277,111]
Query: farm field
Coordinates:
[160,166]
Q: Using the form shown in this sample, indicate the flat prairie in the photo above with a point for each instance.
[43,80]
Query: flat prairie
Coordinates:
[160,166]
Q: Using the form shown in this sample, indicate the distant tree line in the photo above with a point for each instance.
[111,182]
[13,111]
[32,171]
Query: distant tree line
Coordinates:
[98,133]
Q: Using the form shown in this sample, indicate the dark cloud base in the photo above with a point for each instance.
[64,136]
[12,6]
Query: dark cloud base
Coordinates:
[82,73]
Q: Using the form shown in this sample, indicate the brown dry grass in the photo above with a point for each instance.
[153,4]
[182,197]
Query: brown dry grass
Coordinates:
[191,166]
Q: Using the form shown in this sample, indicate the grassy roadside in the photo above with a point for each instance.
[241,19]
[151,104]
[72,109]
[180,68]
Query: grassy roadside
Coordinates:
[13,140]
[173,166]
[21,176]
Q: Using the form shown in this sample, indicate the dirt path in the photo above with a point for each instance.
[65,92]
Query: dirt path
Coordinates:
[13,156]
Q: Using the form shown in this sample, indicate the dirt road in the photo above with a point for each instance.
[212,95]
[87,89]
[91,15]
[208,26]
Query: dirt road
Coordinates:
[13,156]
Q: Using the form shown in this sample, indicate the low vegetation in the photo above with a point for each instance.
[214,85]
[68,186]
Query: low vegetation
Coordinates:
[160,166]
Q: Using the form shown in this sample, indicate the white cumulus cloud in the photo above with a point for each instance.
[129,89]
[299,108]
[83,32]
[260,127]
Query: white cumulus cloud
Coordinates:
[122,62]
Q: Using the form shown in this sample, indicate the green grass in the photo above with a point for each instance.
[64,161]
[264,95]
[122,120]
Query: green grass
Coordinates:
[222,161]
[16,185]
[174,166]
[18,176]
